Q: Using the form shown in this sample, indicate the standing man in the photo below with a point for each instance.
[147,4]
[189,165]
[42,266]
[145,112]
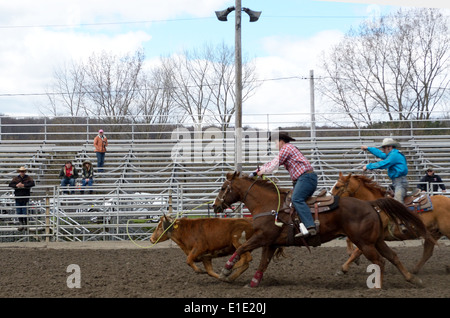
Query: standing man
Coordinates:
[395,163]
[302,175]
[22,185]
[100,144]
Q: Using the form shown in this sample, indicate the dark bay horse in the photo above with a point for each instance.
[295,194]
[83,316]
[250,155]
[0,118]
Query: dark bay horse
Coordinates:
[437,220]
[354,218]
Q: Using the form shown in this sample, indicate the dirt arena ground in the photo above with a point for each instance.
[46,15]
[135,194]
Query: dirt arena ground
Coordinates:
[127,271]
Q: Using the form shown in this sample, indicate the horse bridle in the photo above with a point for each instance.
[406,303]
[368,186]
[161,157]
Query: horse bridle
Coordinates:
[222,199]
[346,189]
[228,190]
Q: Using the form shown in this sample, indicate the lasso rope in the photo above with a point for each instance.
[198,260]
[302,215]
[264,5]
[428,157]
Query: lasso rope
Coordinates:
[279,224]
[178,215]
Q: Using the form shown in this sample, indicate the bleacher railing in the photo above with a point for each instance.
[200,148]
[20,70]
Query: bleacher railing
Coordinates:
[176,165]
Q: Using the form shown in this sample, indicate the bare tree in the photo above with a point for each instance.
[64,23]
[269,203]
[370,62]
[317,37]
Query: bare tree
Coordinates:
[67,95]
[222,82]
[203,83]
[112,84]
[154,98]
[396,65]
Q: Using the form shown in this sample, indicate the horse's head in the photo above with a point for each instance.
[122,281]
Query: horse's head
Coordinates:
[344,186]
[228,193]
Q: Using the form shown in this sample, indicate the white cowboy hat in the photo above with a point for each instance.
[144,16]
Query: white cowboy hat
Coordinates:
[390,142]
[22,169]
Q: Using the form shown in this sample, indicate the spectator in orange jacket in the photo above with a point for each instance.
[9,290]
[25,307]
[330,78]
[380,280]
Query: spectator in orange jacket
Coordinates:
[100,144]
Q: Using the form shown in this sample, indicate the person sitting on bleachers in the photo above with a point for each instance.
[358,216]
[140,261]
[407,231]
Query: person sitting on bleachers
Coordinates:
[69,174]
[87,176]
[430,177]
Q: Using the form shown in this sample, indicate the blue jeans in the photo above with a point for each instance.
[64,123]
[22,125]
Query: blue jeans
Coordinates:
[89,183]
[400,187]
[304,188]
[65,182]
[100,160]
[21,208]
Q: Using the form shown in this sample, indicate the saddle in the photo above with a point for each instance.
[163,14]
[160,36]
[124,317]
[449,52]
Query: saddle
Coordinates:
[319,202]
[418,201]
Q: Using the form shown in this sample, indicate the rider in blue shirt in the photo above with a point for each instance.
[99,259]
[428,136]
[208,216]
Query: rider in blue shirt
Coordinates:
[395,163]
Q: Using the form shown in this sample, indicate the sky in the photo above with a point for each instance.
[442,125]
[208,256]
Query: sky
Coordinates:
[286,42]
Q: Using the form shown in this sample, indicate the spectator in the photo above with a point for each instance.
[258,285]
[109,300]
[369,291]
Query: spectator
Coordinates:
[69,174]
[100,144]
[429,178]
[88,175]
[22,185]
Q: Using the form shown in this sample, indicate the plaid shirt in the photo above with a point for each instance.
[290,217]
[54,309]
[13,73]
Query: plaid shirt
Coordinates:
[292,159]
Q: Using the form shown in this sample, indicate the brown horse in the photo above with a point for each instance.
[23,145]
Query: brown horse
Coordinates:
[354,218]
[437,220]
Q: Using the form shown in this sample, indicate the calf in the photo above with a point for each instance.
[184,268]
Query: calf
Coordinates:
[207,238]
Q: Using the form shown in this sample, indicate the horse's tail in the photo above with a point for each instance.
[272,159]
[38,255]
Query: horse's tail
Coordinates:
[396,210]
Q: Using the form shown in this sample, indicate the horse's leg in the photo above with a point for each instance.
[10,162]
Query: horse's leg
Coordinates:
[371,253]
[267,254]
[392,257]
[248,246]
[354,256]
[350,247]
[428,248]
[240,267]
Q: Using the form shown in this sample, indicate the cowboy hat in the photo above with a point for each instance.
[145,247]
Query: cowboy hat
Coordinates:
[281,136]
[22,169]
[390,142]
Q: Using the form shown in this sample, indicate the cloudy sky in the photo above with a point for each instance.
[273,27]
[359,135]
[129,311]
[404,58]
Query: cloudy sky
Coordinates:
[38,36]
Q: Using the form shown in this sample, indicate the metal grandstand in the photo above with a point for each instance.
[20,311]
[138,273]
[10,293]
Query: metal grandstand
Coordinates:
[151,169]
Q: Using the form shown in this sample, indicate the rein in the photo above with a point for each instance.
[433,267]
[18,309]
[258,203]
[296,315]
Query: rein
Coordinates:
[273,212]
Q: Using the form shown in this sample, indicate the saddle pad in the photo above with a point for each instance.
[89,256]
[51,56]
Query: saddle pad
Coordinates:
[420,203]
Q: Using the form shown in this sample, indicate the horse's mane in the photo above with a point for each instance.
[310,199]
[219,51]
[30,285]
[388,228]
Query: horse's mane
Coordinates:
[265,184]
[369,183]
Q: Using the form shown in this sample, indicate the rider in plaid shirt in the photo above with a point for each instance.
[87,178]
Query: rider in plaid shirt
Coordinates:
[292,159]
[301,173]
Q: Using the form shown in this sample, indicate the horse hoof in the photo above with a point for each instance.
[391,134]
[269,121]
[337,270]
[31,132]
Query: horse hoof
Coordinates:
[224,278]
[416,281]
[339,272]
[225,272]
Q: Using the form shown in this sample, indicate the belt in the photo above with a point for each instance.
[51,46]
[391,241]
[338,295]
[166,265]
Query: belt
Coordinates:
[309,171]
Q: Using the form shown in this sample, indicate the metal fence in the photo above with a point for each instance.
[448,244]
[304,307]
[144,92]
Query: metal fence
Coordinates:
[178,167]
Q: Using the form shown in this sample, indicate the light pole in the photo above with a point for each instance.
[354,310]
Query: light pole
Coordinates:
[222,16]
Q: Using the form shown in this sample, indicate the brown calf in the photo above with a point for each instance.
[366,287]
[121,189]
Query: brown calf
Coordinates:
[205,239]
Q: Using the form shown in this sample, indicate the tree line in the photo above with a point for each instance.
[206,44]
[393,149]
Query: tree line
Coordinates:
[198,84]
[395,65]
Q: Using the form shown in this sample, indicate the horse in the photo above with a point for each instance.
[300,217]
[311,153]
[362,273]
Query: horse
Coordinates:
[354,218]
[437,220]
